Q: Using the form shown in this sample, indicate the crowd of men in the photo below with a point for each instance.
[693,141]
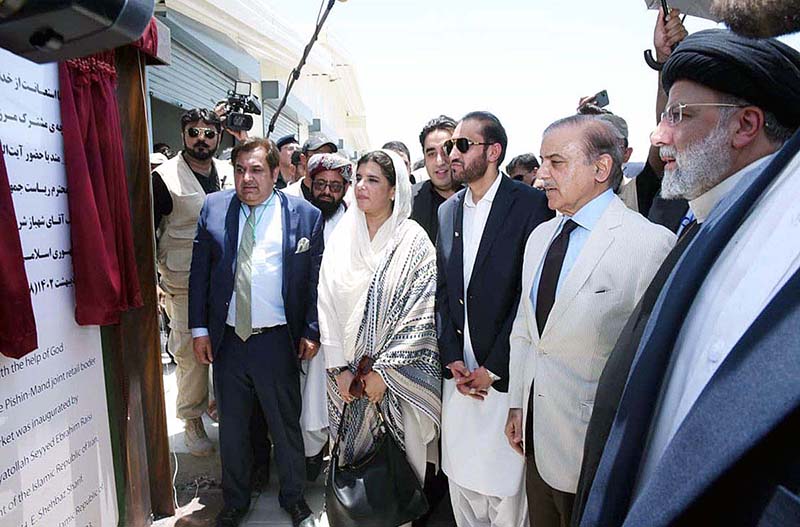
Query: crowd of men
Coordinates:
[619,341]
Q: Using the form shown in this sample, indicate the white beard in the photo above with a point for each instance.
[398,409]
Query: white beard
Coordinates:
[699,168]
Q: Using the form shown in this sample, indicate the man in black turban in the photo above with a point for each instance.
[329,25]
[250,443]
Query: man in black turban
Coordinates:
[703,381]
[732,101]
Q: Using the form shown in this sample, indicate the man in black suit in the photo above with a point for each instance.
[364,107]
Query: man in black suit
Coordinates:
[430,194]
[482,235]
[703,377]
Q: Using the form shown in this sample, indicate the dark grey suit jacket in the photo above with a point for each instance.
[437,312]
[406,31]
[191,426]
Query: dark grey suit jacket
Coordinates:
[735,459]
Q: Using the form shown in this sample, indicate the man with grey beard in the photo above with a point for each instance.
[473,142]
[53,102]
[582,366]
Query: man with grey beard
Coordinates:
[693,423]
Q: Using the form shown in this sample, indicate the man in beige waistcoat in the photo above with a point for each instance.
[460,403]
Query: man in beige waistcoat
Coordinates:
[180,186]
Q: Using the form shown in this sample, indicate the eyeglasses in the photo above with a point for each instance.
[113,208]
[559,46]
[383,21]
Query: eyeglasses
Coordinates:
[320,184]
[674,112]
[462,143]
[209,133]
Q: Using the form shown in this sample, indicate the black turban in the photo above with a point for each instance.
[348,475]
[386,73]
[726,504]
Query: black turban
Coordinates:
[765,72]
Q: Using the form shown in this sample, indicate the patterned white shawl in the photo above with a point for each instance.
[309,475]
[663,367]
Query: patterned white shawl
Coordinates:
[376,297]
[398,329]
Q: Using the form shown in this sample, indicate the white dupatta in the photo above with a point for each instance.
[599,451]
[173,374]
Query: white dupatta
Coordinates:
[348,265]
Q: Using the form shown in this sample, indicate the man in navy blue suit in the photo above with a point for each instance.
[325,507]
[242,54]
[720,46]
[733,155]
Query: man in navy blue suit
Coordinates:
[253,313]
[707,396]
[480,247]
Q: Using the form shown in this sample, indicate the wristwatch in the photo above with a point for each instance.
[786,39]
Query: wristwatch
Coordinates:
[336,370]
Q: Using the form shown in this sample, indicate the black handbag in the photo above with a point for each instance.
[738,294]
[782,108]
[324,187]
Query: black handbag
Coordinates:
[380,490]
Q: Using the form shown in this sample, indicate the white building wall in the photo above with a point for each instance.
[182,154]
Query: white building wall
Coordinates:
[327,86]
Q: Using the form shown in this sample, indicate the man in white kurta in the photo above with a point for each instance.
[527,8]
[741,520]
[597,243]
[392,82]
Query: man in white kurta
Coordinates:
[479,488]
[482,230]
[330,176]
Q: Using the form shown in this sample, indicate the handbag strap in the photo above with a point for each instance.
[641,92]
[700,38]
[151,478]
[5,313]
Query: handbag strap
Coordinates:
[340,434]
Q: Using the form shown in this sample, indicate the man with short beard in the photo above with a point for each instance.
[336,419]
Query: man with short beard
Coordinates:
[180,186]
[431,193]
[480,249]
[697,426]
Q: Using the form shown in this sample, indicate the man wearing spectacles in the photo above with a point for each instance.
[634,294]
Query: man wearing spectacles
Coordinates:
[482,233]
[699,411]
[523,168]
[317,143]
[330,176]
[180,186]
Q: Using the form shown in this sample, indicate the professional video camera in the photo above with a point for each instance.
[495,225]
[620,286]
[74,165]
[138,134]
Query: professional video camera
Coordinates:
[240,103]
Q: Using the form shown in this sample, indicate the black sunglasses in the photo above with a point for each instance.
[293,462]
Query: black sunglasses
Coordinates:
[363,369]
[462,143]
[209,133]
[320,184]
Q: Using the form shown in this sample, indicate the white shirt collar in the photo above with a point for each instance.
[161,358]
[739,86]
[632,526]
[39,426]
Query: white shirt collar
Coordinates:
[488,197]
[703,204]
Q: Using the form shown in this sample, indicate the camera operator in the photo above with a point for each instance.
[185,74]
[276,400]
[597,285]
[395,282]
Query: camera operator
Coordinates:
[180,186]
[316,144]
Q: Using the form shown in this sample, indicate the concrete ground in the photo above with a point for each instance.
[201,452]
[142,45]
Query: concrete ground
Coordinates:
[198,482]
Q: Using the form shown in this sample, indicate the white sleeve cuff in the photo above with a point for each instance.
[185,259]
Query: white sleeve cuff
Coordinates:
[199,332]
[334,355]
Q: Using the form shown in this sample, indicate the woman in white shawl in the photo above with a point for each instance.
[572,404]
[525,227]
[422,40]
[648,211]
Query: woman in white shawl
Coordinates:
[377,290]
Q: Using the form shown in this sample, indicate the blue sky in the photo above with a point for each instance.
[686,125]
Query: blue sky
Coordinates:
[527,61]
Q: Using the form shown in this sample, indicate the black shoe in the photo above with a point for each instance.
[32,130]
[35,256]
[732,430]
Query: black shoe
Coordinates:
[230,517]
[300,513]
[314,465]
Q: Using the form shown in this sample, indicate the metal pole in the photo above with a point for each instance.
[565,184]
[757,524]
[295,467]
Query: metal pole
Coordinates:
[296,72]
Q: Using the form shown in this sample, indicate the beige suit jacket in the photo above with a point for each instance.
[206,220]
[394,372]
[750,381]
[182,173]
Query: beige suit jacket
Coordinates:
[615,266]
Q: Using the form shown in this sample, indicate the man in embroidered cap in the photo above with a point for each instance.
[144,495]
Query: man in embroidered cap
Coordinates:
[705,374]
[330,176]
[316,144]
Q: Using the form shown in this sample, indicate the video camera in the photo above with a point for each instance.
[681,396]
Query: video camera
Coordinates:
[240,103]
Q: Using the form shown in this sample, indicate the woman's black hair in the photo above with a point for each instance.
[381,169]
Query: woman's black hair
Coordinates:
[383,160]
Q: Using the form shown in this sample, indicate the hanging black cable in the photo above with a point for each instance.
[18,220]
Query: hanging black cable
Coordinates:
[295,74]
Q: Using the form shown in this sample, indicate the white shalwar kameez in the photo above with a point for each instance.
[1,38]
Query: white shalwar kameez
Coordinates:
[486,476]
[314,417]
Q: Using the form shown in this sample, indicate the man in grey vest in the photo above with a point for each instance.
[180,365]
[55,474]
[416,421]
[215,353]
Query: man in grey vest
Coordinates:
[180,186]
